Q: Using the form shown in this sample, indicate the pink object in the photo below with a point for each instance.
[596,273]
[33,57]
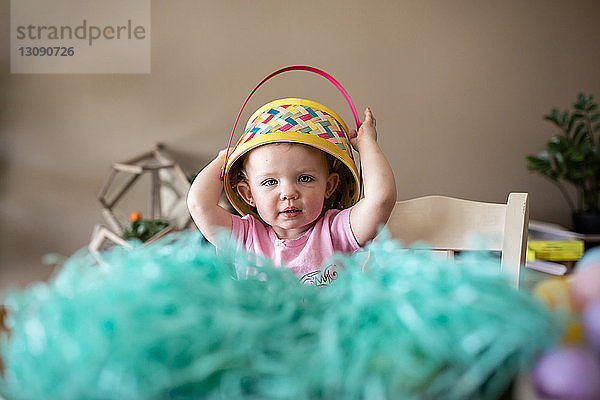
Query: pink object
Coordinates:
[591,325]
[585,285]
[568,373]
[306,255]
[280,71]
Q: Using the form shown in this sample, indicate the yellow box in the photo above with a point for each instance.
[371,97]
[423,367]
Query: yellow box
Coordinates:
[556,250]
[530,253]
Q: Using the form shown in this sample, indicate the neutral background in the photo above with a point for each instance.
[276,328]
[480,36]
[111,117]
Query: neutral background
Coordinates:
[459,89]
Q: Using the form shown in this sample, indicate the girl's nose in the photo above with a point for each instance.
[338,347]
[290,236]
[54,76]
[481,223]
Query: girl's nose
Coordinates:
[288,192]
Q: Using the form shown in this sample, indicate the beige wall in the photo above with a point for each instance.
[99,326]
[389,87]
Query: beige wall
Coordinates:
[458,88]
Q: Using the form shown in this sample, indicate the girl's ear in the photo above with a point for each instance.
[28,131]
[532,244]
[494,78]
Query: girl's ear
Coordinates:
[245,193]
[332,183]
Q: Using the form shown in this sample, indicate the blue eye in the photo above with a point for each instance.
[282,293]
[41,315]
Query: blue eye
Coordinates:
[305,179]
[269,182]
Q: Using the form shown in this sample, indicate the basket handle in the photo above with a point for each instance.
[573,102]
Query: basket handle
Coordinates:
[280,71]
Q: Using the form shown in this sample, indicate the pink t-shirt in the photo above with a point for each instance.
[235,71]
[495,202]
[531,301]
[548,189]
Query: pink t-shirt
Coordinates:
[305,256]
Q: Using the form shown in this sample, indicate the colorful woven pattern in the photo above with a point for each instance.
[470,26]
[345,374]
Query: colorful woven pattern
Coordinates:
[299,118]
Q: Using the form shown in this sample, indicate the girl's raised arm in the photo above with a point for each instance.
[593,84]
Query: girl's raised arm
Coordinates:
[375,207]
[203,200]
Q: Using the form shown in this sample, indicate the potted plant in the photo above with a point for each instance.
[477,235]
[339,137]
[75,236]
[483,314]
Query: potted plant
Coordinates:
[145,229]
[573,156]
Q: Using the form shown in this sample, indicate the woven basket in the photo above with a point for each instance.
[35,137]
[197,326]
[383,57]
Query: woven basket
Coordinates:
[301,121]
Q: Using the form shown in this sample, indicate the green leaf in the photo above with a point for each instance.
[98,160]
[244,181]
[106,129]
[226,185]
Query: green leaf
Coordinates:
[541,164]
[559,163]
[579,134]
[554,116]
[578,157]
[577,115]
[572,120]
[558,144]
[582,102]
[543,155]
[563,118]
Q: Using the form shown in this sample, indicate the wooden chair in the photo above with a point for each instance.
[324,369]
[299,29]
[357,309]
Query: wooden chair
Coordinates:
[445,223]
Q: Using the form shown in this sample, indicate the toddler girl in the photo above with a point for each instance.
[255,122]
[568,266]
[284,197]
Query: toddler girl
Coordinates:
[286,189]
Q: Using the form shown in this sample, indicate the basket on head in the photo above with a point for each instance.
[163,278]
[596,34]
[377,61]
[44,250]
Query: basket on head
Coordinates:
[301,121]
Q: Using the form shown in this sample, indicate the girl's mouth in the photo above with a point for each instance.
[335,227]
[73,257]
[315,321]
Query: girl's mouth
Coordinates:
[291,212]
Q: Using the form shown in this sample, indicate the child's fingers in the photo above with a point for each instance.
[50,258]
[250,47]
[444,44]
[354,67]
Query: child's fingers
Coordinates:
[369,118]
[222,153]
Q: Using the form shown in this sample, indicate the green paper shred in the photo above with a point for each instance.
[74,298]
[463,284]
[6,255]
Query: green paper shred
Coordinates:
[171,320]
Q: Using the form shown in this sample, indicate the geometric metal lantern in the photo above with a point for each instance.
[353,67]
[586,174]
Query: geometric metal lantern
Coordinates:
[151,184]
[102,239]
[167,190]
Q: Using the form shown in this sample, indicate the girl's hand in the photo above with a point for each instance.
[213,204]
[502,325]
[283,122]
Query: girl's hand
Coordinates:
[366,131]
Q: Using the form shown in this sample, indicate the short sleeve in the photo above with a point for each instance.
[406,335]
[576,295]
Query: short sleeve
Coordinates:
[341,233]
[239,227]
[250,233]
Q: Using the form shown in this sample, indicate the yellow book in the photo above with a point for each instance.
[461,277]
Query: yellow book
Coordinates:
[530,253]
[556,250]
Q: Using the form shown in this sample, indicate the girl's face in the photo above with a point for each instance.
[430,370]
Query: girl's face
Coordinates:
[287,183]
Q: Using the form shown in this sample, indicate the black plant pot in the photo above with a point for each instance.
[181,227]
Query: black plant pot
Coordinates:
[586,222]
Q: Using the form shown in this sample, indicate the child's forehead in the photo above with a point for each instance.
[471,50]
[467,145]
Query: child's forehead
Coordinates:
[285,152]
[287,148]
